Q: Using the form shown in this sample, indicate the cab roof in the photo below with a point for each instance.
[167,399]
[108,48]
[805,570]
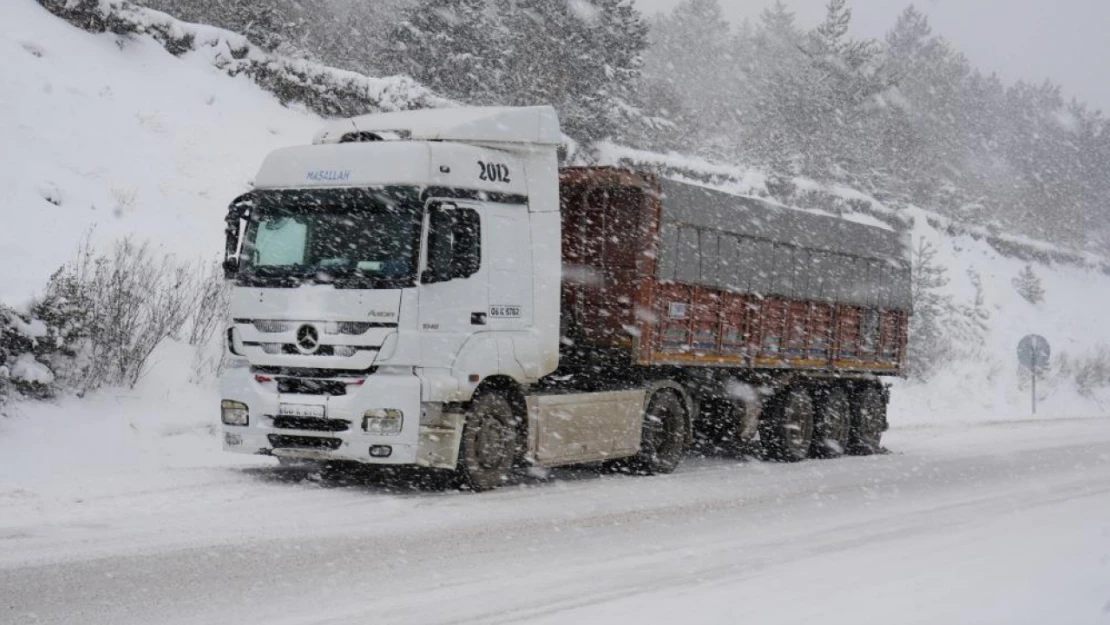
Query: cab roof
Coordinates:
[492,124]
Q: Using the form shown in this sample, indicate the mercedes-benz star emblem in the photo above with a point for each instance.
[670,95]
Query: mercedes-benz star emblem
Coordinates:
[308,339]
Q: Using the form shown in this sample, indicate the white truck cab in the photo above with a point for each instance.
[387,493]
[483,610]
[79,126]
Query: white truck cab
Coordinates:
[384,273]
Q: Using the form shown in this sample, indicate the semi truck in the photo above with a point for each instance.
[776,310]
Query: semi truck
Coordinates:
[428,288]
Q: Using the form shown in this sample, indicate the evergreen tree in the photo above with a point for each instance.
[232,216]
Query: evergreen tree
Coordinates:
[928,340]
[451,47]
[692,51]
[1028,285]
[583,57]
[273,25]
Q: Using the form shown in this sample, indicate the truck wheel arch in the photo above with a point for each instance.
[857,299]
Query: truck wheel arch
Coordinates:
[514,392]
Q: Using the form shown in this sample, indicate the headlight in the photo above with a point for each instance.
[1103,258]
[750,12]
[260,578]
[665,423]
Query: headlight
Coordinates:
[233,412]
[383,421]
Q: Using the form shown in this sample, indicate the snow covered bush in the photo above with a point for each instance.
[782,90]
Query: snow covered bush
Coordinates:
[1088,373]
[117,307]
[103,314]
[22,341]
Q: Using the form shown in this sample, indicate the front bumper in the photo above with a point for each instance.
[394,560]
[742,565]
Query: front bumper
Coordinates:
[338,433]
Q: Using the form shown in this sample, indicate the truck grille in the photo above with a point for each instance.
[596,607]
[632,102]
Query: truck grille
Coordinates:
[303,386]
[349,328]
[316,424]
[283,441]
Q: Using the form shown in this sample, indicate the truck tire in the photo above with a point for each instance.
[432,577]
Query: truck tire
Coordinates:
[787,432]
[832,423]
[489,442]
[868,421]
[663,437]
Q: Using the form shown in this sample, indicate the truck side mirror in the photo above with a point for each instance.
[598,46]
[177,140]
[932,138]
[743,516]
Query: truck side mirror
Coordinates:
[231,267]
[239,210]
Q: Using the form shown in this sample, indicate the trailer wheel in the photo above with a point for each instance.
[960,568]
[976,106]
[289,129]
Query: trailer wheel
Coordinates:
[787,433]
[489,442]
[868,420]
[663,438]
[832,424]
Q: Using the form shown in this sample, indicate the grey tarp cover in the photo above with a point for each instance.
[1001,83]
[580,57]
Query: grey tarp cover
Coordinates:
[745,244]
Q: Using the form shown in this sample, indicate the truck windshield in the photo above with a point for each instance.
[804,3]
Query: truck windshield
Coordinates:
[352,238]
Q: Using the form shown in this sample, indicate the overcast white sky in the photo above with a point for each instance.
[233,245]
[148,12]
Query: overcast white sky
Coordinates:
[1067,41]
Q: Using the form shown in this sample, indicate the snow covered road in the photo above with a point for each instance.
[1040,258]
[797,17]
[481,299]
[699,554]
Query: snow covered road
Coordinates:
[996,523]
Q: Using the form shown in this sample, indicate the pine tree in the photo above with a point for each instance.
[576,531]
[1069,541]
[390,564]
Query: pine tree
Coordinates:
[928,340]
[1028,285]
[450,46]
[582,57]
[692,51]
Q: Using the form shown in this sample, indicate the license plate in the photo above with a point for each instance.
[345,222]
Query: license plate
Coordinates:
[300,410]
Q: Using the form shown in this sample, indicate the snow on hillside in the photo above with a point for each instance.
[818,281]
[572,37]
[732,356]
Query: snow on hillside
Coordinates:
[121,136]
[985,382]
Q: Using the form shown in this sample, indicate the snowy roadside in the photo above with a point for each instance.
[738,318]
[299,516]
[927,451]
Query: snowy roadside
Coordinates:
[951,527]
[144,469]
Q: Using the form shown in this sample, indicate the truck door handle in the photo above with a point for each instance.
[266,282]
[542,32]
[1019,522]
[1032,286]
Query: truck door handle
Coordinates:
[477,318]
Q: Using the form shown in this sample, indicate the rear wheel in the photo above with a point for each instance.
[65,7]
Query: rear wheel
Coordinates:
[832,423]
[787,432]
[489,442]
[868,422]
[663,438]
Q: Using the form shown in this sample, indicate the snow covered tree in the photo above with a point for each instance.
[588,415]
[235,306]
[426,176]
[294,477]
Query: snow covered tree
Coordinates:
[582,56]
[269,24]
[452,47]
[691,52]
[928,340]
[1028,285]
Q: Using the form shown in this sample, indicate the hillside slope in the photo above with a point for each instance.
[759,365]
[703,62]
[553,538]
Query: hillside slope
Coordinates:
[118,134]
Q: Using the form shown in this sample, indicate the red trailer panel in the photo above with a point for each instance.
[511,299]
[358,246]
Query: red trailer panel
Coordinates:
[618,296]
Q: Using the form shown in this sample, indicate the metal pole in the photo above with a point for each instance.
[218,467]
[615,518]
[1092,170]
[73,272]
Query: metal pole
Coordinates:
[1034,370]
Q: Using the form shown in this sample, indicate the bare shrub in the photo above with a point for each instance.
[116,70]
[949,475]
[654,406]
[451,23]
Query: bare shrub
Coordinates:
[1089,373]
[210,311]
[120,306]
[209,314]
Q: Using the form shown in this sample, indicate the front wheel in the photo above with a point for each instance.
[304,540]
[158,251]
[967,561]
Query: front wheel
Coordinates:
[489,442]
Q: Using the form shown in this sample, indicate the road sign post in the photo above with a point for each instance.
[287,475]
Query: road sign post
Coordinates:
[1033,354]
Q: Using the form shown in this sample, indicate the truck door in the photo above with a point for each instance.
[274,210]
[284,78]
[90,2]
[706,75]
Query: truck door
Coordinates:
[510,286]
[454,303]
[510,267]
